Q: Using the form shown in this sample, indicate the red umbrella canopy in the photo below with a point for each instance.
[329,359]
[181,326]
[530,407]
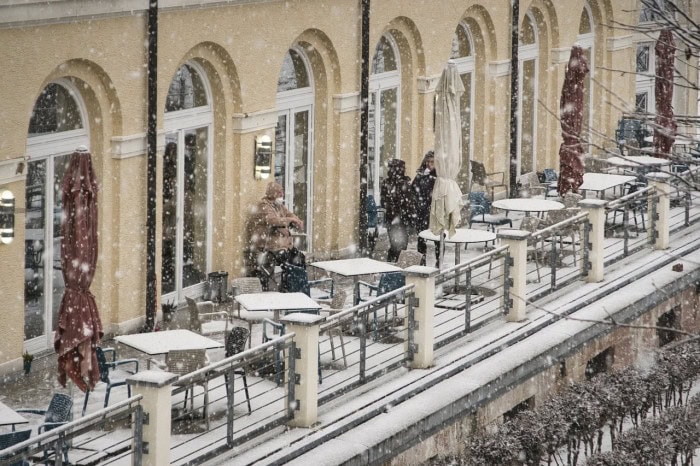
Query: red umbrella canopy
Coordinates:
[79,328]
[665,128]
[571,117]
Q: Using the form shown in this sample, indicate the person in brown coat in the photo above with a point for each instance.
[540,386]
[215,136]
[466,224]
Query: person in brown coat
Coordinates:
[267,229]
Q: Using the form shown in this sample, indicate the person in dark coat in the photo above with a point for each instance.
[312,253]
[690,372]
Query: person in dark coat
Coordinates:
[397,200]
[422,185]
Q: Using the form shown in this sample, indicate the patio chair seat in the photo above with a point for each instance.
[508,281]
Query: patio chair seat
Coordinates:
[13,438]
[58,413]
[114,377]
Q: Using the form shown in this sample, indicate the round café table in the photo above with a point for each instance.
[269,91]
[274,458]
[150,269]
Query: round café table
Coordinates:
[527,205]
[461,236]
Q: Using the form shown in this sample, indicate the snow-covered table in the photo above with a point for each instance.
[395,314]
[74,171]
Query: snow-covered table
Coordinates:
[8,417]
[356,267]
[277,302]
[156,343]
[461,236]
[527,205]
[600,182]
[637,162]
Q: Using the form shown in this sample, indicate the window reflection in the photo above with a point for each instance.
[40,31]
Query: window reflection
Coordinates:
[186,90]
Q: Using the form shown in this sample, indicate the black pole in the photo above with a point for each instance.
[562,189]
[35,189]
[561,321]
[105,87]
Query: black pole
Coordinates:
[514,71]
[364,128]
[151,174]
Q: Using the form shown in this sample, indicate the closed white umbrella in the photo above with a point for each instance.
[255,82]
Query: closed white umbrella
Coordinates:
[447,197]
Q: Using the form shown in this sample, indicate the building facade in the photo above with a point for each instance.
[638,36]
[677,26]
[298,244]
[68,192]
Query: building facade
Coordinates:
[239,74]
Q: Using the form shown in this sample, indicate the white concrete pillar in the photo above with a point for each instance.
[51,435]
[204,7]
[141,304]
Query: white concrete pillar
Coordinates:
[661,183]
[595,208]
[423,280]
[156,388]
[306,327]
[516,240]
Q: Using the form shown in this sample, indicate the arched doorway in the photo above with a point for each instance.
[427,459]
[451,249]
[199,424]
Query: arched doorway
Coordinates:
[57,126]
[528,54]
[294,136]
[463,56]
[384,110]
[186,246]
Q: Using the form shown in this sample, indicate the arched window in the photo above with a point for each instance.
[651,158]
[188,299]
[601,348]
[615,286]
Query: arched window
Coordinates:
[56,128]
[293,137]
[186,217]
[462,55]
[528,52]
[384,103]
[586,39]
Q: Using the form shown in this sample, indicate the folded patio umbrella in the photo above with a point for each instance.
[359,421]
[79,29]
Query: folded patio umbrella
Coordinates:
[665,129]
[447,197]
[571,119]
[79,328]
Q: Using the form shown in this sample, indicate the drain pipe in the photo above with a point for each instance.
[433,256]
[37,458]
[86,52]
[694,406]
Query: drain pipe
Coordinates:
[514,70]
[151,140]
[364,128]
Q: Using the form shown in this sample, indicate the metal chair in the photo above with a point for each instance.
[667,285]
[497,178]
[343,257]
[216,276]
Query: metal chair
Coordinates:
[248,285]
[558,216]
[182,362]
[235,343]
[59,412]
[637,206]
[279,329]
[13,438]
[205,319]
[571,200]
[408,258]
[337,304]
[480,212]
[388,282]
[489,181]
[296,280]
[108,378]
[530,185]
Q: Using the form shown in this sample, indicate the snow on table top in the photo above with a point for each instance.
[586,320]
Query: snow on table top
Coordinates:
[357,266]
[9,416]
[275,301]
[636,161]
[462,235]
[603,181]
[528,205]
[163,342]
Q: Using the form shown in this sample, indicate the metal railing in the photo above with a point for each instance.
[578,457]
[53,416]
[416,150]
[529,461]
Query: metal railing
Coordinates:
[110,435]
[377,336]
[225,420]
[469,294]
[639,208]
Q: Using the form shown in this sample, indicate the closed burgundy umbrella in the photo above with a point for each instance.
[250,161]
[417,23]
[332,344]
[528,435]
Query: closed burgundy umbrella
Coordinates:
[79,328]
[571,117]
[665,128]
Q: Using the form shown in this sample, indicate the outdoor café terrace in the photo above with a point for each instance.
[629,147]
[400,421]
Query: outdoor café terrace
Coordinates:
[335,384]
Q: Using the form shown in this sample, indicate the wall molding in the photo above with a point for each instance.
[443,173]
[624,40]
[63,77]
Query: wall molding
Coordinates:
[135,145]
[499,68]
[256,121]
[561,55]
[427,84]
[349,102]
[11,170]
[619,43]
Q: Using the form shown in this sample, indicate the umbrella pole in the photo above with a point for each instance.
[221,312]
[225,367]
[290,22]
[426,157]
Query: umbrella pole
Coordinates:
[441,265]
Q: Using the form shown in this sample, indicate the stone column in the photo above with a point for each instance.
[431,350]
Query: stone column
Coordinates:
[595,208]
[306,328]
[423,279]
[661,183]
[156,388]
[516,240]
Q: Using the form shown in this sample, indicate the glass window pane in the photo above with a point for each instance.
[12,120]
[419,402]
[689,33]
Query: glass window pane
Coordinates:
[528,35]
[186,90]
[293,74]
[34,250]
[194,247]
[529,100]
[586,103]
[301,164]
[643,58]
[387,129]
[169,244]
[466,114]
[281,151]
[55,110]
[60,164]
[384,58]
[641,102]
[461,46]
[371,143]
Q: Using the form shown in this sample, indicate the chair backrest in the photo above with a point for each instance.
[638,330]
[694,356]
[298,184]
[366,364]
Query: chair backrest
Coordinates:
[13,438]
[572,200]
[529,224]
[408,258]
[246,285]
[181,362]
[102,365]
[390,281]
[60,408]
[295,279]
[339,298]
[236,340]
[195,323]
[479,198]
[478,172]
[550,175]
